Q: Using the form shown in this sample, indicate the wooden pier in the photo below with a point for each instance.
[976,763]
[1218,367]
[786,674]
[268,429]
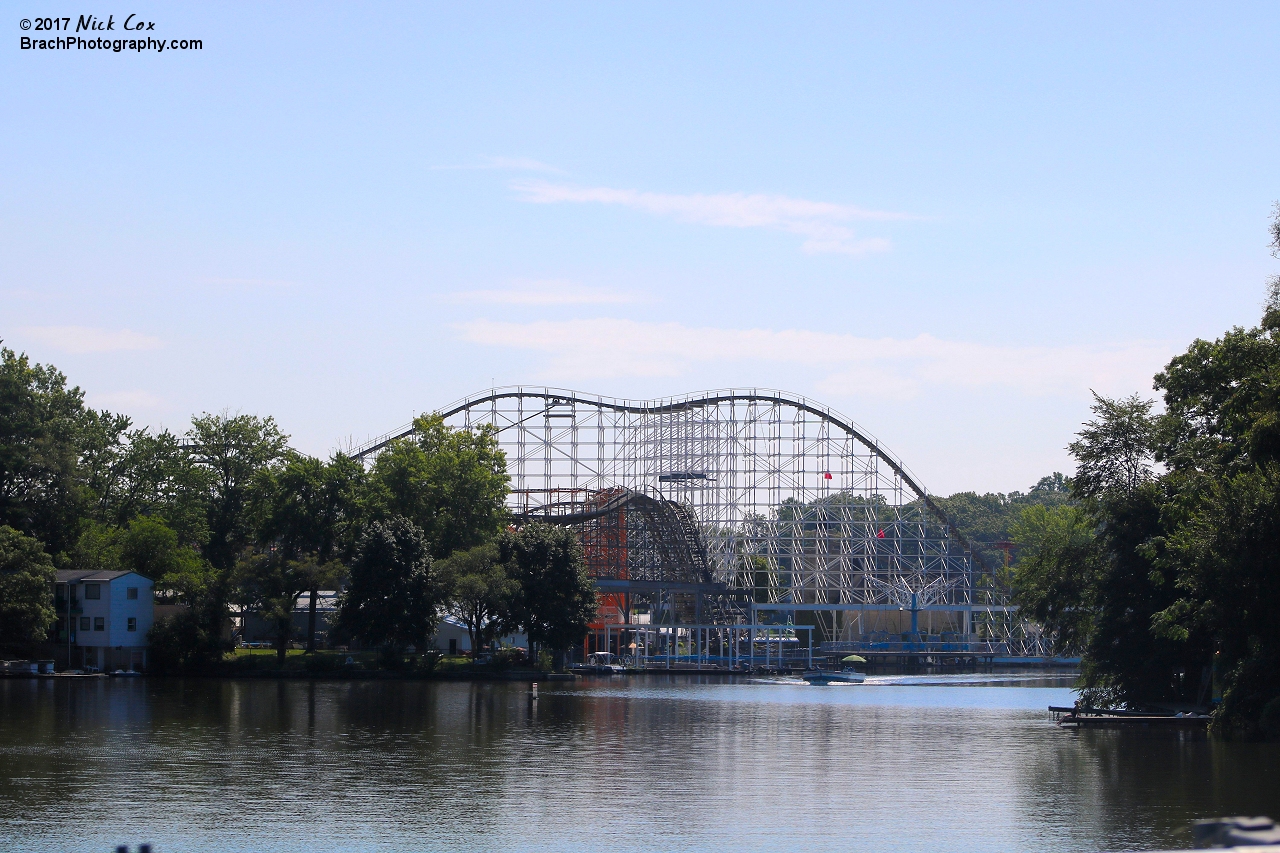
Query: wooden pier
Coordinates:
[1101,718]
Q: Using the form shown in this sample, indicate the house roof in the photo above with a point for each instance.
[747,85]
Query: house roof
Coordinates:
[73,575]
[326,600]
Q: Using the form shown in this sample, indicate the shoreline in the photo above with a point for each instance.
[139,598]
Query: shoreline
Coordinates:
[285,675]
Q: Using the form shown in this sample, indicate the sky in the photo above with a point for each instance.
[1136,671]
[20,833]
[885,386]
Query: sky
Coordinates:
[949,222]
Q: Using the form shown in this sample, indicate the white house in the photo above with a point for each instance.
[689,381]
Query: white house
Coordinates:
[451,637]
[103,619]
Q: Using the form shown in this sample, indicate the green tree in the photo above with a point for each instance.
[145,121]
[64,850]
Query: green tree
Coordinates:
[452,483]
[144,545]
[557,597]
[269,585]
[480,592]
[1182,578]
[234,450]
[1225,554]
[1220,440]
[310,510]
[151,475]
[151,548]
[1056,576]
[40,427]
[1114,452]
[1089,571]
[394,598]
[26,592]
[986,519]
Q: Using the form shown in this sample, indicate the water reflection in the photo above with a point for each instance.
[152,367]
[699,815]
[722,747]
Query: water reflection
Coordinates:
[623,764]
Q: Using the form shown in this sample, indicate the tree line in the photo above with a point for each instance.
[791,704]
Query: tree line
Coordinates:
[227,515]
[1163,570]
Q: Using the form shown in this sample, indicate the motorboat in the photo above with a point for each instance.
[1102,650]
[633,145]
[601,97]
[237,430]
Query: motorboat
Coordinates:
[823,677]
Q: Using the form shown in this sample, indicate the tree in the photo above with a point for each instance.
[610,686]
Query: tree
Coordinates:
[1180,588]
[1114,452]
[452,483]
[269,584]
[309,510]
[151,548]
[1225,558]
[481,592]
[394,598]
[988,518]
[26,592]
[40,424]
[1055,483]
[234,451]
[151,475]
[144,545]
[1220,439]
[557,597]
[1088,569]
[1056,577]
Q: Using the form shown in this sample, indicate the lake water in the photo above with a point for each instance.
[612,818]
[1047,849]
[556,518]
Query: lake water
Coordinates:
[629,764]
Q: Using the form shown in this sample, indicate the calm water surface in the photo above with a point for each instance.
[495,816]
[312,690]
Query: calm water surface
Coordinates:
[628,764]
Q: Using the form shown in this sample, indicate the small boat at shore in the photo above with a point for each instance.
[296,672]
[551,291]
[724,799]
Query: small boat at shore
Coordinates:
[823,677]
[599,663]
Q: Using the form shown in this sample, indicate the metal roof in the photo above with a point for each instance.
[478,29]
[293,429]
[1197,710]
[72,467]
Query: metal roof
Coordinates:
[75,575]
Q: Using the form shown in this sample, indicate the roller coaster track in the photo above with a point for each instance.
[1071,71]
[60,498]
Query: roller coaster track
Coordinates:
[556,397]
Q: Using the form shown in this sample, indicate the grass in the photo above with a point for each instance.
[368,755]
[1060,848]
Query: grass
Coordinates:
[251,653]
[297,659]
[333,661]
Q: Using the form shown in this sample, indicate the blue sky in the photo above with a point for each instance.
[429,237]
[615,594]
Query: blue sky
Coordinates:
[947,221]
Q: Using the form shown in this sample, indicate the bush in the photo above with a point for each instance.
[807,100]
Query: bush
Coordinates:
[247,662]
[321,663]
[182,644]
[545,662]
[507,658]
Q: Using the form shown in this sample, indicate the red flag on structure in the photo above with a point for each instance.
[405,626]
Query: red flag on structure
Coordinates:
[826,475]
[880,533]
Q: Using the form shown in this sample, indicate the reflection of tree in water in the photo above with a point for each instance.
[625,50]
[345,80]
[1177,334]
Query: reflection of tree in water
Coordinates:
[1140,789]
[651,763]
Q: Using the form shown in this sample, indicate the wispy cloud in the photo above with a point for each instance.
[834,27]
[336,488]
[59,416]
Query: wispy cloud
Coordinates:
[824,225]
[85,339]
[897,368]
[514,164]
[548,292]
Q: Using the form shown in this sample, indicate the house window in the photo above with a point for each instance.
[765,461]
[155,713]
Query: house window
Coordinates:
[93,590]
[84,623]
[133,623]
[131,593]
[99,623]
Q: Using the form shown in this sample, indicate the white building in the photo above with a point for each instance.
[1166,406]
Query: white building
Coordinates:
[103,619]
[451,637]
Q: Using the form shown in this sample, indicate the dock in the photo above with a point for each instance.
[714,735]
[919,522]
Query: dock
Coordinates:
[1104,718]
